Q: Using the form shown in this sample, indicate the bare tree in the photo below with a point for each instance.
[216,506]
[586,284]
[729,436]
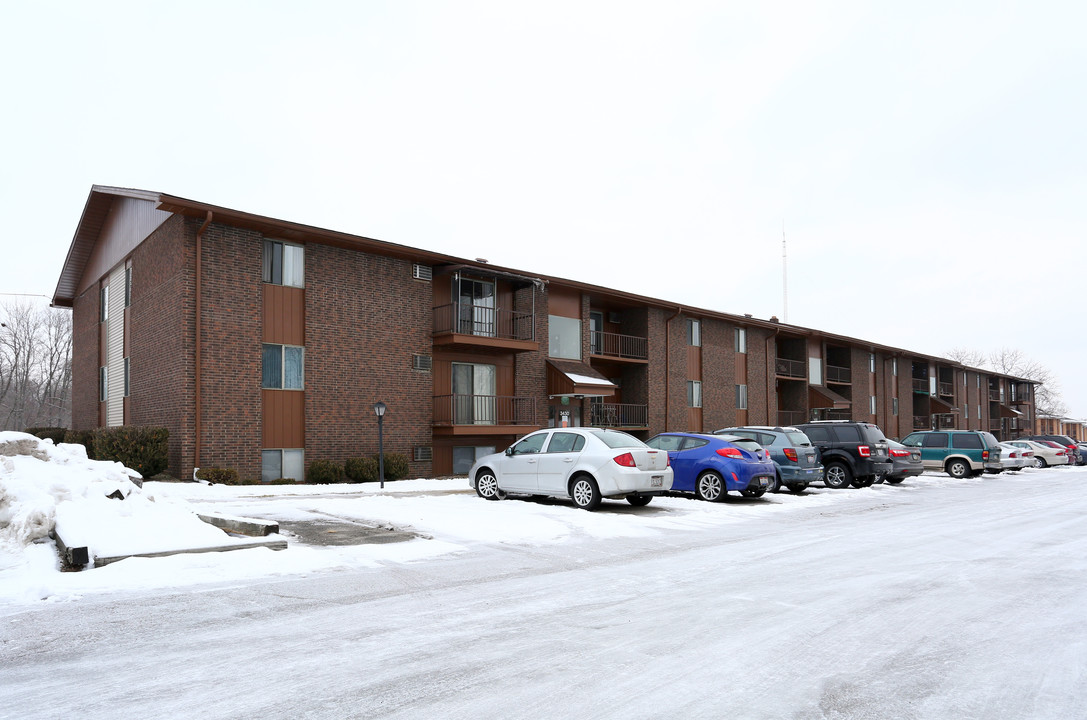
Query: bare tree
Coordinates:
[1014,362]
[35,367]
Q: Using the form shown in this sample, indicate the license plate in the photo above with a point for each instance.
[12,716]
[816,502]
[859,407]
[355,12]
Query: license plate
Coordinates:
[762,481]
[656,481]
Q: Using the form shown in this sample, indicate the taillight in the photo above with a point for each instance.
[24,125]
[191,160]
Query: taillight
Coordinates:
[730,452]
[984,454]
[790,453]
[667,461]
[1060,453]
[900,453]
[626,460]
[864,451]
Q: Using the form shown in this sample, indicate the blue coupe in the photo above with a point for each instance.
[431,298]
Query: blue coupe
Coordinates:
[711,465]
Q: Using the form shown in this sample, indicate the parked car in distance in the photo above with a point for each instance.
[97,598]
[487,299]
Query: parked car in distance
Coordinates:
[1044,454]
[905,462]
[959,453]
[1013,457]
[711,465]
[852,453]
[1069,445]
[796,460]
[584,464]
[1082,453]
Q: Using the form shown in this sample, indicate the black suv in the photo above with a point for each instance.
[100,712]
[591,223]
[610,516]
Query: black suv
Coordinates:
[1064,441]
[852,453]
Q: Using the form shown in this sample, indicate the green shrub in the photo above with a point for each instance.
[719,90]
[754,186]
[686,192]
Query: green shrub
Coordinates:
[323,472]
[223,476]
[144,449]
[56,434]
[82,437]
[360,470]
[279,481]
[396,466]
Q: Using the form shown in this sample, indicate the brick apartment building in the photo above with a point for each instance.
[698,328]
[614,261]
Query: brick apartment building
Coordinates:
[263,344]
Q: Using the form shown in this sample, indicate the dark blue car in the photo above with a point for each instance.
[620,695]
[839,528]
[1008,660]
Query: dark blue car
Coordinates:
[711,465]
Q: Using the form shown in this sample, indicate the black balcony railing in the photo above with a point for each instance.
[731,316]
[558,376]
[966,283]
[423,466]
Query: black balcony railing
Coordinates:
[484,410]
[946,389]
[920,385]
[921,422]
[792,417]
[837,374]
[629,347]
[618,415]
[946,421]
[994,396]
[483,321]
[790,368]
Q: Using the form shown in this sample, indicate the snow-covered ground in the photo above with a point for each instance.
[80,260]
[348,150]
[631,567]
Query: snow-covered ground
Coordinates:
[939,598]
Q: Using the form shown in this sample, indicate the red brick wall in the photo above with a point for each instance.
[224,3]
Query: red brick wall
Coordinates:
[718,375]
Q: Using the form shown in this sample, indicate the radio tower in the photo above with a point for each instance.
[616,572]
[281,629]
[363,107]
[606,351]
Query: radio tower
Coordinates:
[784,275]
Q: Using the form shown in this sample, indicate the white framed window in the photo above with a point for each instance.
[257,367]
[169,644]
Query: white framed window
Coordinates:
[740,339]
[283,367]
[127,366]
[128,287]
[103,384]
[979,412]
[815,371]
[103,303]
[741,397]
[894,366]
[965,411]
[287,463]
[871,362]
[284,264]
[564,337]
[871,404]
[694,393]
[894,406]
[694,333]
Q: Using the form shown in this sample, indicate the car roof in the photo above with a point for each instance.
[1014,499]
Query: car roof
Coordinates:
[764,428]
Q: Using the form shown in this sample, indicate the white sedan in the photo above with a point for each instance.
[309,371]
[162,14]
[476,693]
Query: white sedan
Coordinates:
[1013,457]
[584,464]
[1044,455]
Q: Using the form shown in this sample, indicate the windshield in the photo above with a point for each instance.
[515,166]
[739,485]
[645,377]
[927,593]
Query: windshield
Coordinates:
[616,439]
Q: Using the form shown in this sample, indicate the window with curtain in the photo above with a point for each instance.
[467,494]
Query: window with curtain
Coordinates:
[283,367]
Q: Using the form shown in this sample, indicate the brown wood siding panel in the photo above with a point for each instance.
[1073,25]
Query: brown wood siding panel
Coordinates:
[564,302]
[283,419]
[284,315]
[741,368]
[694,420]
[694,363]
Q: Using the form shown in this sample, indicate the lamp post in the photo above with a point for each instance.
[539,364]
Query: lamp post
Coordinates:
[379,410]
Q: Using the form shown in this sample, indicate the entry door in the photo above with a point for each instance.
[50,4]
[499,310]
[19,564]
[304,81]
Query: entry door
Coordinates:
[473,394]
[596,329]
[476,307]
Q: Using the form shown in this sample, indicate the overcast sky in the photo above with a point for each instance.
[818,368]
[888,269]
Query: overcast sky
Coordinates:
[926,161]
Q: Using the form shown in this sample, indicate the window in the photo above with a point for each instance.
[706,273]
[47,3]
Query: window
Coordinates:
[465,457]
[694,393]
[126,376]
[103,384]
[530,445]
[475,307]
[871,362]
[562,442]
[284,264]
[936,440]
[564,337]
[894,406]
[979,412]
[128,287]
[740,338]
[103,303]
[815,371]
[966,441]
[741,397]
[474,390]
[894,366]
[871,404]
[288,464]
[694,333]
[965,411]
[283,367]
[964,377]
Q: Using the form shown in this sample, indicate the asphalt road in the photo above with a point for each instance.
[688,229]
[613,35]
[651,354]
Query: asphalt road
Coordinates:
[959,601]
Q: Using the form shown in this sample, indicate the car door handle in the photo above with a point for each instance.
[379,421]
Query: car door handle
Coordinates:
[567,459]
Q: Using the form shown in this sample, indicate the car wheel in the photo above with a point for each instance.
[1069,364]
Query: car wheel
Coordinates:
[798,487]
[639,500]
[958,469]
[836,475]
[487,486]
[893,481]
[753,493]
[585,492]
[863,482]
[775,484]
[1039,462]
[710,486]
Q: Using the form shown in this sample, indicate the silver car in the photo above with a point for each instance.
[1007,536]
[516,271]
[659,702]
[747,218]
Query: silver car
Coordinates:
[584,464]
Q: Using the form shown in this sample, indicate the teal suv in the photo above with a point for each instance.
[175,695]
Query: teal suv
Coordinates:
[959,453]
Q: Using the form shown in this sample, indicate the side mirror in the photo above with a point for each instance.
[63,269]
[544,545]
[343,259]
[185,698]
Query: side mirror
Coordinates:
[509,450]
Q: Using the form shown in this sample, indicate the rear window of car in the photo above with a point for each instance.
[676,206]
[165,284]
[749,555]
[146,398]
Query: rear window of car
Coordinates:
[966,441]
[798,438]
[616,439]
[990,440]
[749,434]
[746,444]
[847,434]
[873,434]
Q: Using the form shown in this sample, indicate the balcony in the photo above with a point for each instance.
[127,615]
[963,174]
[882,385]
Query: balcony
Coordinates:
[946,389]
[475,326]
[791,417]
[484,415]
[836,374]
[920,385]
[619,347]
[618,415]
[994,396]
[946,422]
[784,367]
[921,422]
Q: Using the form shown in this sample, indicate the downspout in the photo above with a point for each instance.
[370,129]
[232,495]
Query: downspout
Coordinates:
[771,363]
[668,366]
[199,321]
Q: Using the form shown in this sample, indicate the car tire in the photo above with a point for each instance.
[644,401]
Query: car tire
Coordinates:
[487,486]
[1039,462]
[710,486]
[585,492]
[639,500]
[863,482]
[893,481]
[837,475]
[775,484]
[958,469]
[753,493]
[797,487]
